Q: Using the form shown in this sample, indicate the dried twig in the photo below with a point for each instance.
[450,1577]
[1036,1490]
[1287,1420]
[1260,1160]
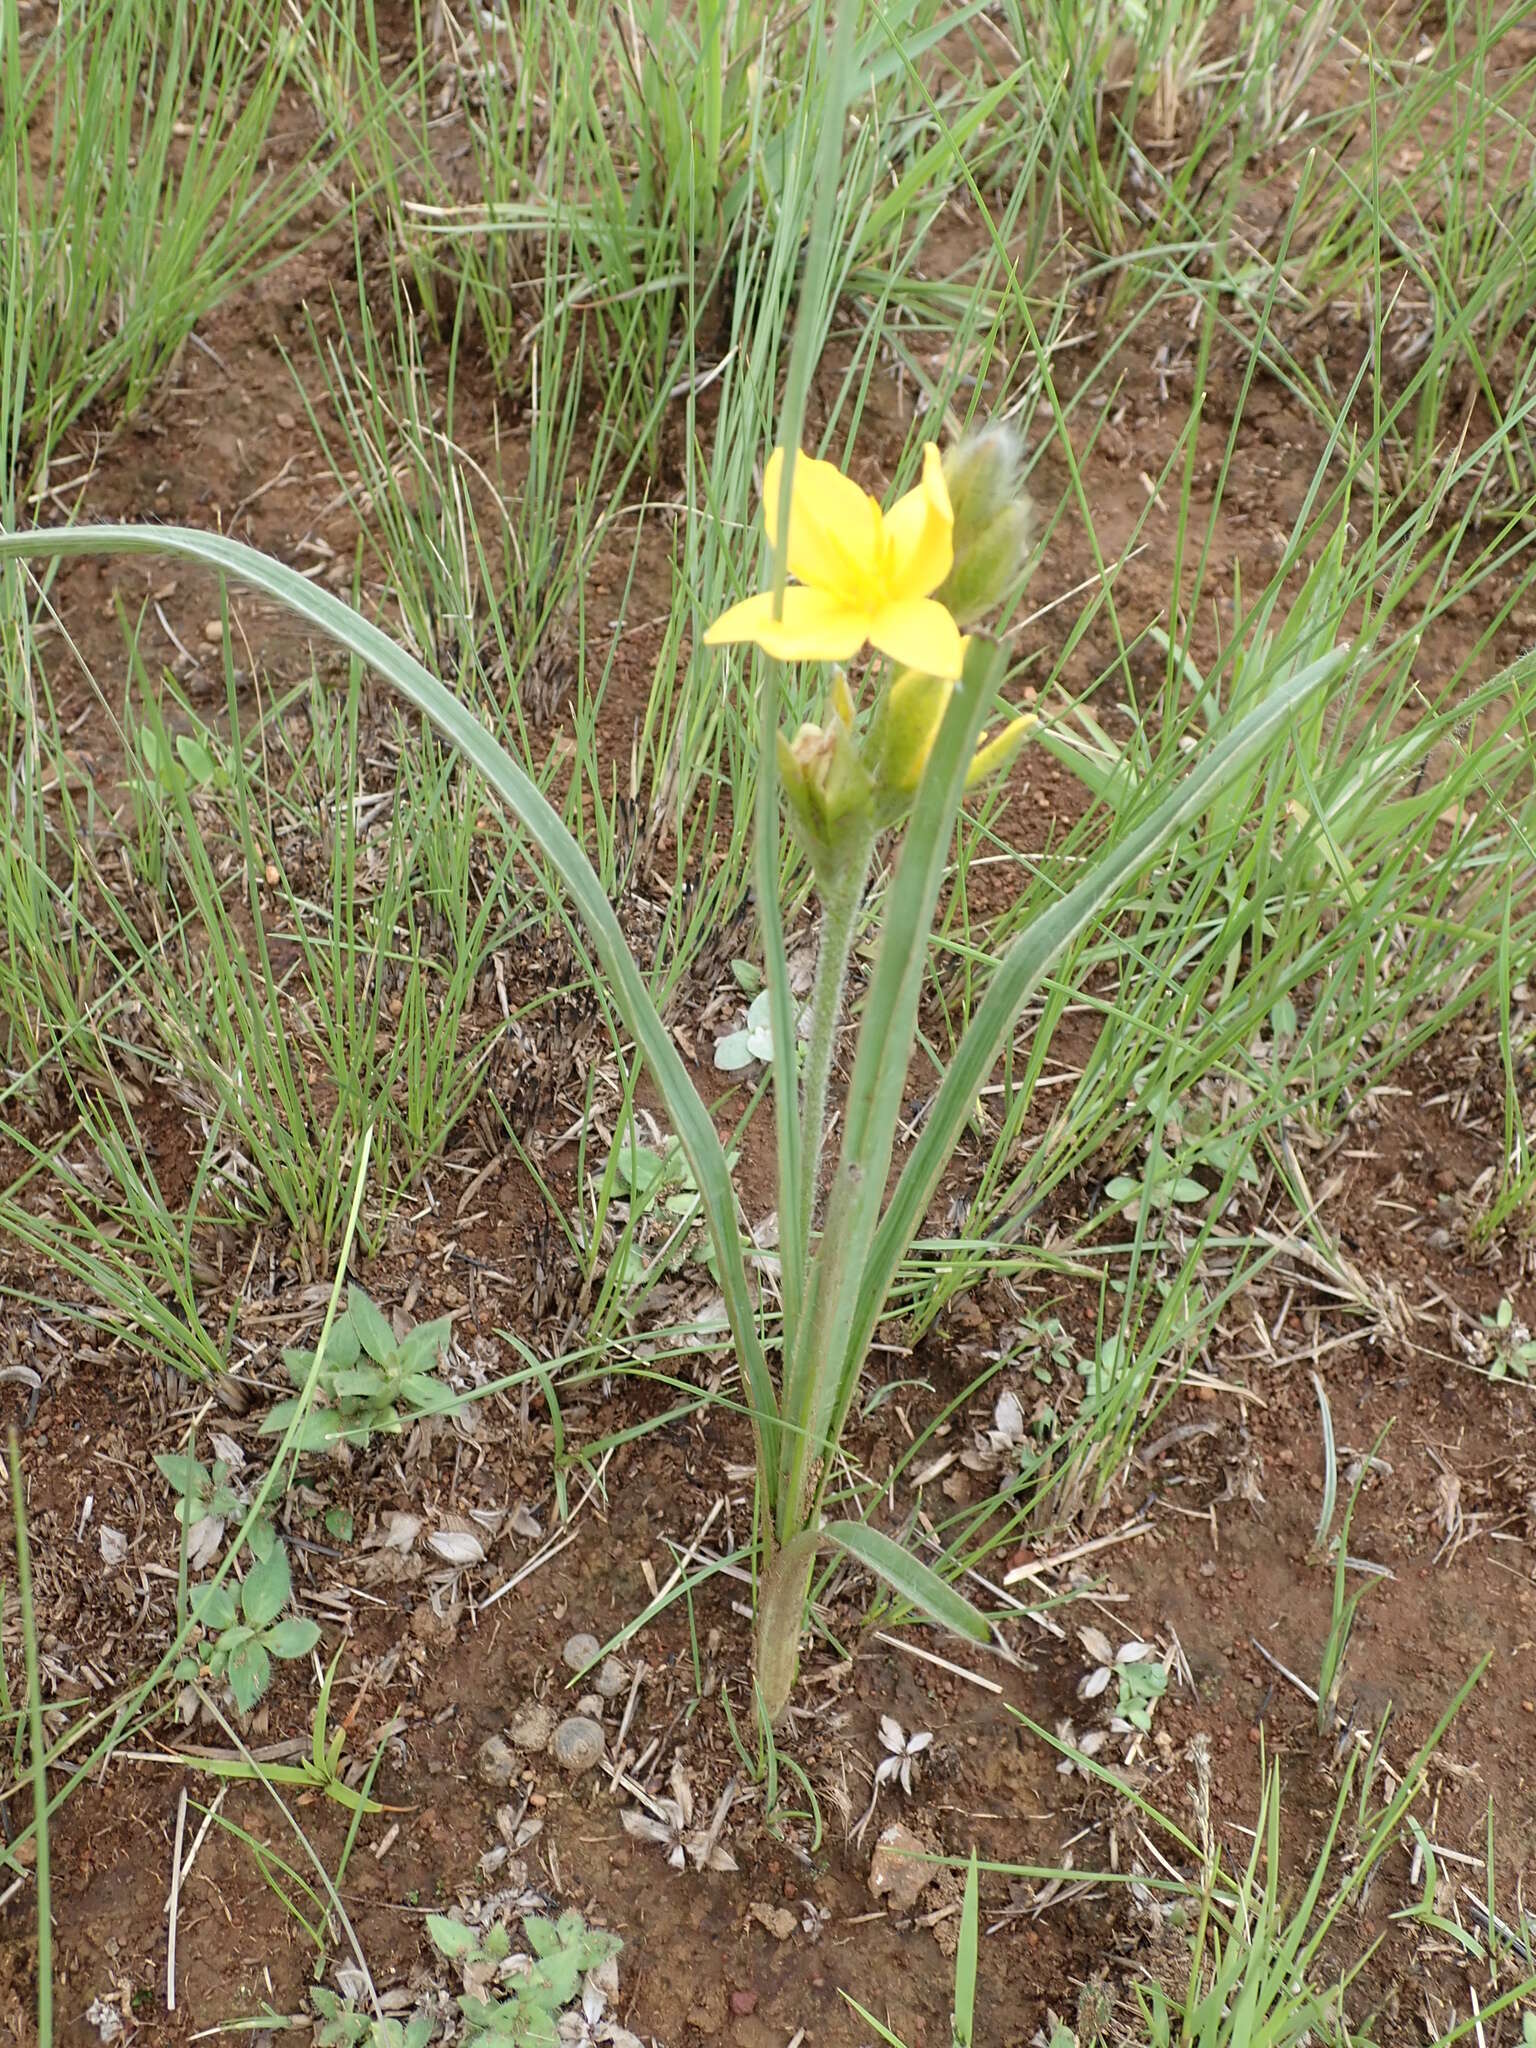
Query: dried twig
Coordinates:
[175,1905]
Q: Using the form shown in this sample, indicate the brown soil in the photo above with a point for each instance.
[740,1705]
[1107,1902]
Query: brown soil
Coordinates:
[1206,1543]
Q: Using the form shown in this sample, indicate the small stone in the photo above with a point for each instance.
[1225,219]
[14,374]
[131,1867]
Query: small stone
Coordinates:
[897,1872]
[743,2002]
[589,1703]
[496,1762]
[778,1920]
[580,1651]
[531,1726]
[213,632]
[611,1680]
[578,1744]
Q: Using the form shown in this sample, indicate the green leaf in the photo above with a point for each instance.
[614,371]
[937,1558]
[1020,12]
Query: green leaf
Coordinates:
[249,1671]
[421,1348]
[429,1396]
[189,1476]
[371,1325]
[543,1936]
[640,1169]
[295,1637]
[267,1587]
[1142,1685]
[563,868]
[298,1364]
[197,760]
[214,1607]
[316,1432]
[359,1383]
[917,1583]
[341,1348]
[452,1938]
[338,1523]
[965,1959]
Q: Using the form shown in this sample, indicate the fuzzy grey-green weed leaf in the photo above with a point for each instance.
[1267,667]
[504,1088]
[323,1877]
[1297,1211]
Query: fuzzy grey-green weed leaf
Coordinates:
[266,1588]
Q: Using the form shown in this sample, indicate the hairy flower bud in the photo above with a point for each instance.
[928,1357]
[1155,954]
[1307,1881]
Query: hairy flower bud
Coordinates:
[902,736]
[827,788]
[906,725]
[992,523]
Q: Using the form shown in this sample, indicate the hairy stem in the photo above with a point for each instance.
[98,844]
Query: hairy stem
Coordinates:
[840,901]
[781,1597]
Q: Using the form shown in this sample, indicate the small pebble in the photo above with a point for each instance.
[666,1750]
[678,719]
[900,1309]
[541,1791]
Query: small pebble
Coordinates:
[213,632]
[899,1871]
[578,1744]
[531,1726]
[580,1651]
[590,1704]
[496,1763]
[611,1680]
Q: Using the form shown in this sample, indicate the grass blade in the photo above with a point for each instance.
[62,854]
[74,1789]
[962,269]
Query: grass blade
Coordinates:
[37,1758]
[965,1958]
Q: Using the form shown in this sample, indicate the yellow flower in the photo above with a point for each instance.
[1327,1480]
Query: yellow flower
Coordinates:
[863,575]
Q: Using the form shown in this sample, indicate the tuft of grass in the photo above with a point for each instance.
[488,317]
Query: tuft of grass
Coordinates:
[135,192]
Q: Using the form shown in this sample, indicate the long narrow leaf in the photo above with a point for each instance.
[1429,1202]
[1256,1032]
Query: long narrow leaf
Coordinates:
[1024,966]
[965,1959]
[37,1752]
[917,1583]
[541,824]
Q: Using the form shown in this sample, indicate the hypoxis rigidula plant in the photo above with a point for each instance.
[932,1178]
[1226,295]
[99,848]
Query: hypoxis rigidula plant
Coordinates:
[862,576]
[887,579]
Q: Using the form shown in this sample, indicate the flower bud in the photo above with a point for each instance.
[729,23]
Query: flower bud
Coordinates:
[992,523]
[906,725]
[901,741]
[826,786]
[993,756]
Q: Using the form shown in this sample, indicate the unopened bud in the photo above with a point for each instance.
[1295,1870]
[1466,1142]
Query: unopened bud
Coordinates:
[992,523]
[906,725]
[826,786]
[993,756]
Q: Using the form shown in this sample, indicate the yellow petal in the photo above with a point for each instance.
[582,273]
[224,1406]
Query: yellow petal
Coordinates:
[920,534]
[834,528]
[919,634]
[815,626]
[740,622]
